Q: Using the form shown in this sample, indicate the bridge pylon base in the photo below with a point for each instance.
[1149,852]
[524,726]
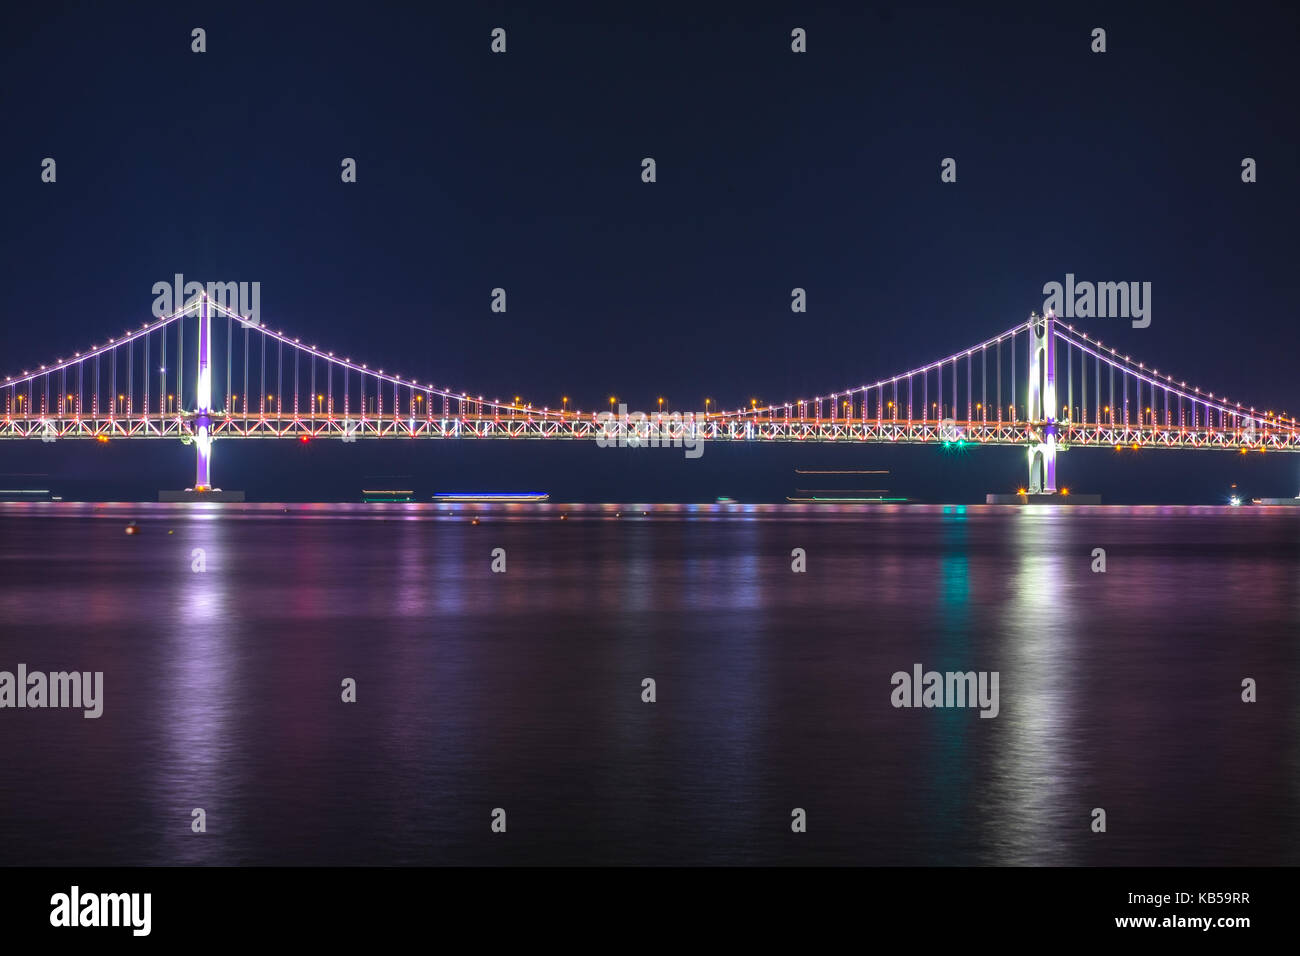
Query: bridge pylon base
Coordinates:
[212,494]
[1043,499]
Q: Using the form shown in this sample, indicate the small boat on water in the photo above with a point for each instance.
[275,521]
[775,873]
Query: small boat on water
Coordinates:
[490,497]
[384,488]
[373,495]
[26,494]
[823,496]
[842,500]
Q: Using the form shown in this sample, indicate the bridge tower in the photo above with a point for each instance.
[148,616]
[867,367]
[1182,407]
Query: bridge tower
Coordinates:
[1042,404]
[203,400]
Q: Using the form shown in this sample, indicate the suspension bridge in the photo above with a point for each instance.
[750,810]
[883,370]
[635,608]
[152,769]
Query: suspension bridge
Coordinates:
[1041,385]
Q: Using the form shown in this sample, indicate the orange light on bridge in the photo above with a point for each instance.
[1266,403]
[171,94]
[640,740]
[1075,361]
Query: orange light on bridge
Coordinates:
[102,439]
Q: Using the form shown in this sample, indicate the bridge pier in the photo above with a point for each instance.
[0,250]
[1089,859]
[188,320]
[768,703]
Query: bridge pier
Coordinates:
[202,490]
[1042,403]
[203,402]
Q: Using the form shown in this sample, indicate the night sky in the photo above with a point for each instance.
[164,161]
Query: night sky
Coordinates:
[775,170]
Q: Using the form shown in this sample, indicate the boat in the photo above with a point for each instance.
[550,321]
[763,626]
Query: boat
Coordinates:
[490,497]
[387,488]
[842,496]
[376,495]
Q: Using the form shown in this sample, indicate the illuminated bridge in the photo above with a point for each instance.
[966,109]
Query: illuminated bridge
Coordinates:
[205,373]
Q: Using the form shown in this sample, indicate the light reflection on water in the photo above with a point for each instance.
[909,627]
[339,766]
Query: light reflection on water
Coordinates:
[523,690]
[200,726]
[1031,768]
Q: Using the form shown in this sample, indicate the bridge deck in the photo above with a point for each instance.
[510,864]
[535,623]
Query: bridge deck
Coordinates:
[654,431]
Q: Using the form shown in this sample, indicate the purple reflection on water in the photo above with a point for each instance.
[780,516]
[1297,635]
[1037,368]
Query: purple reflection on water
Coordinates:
[523,690]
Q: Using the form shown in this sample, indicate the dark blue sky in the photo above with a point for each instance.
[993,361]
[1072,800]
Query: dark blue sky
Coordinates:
[775,170]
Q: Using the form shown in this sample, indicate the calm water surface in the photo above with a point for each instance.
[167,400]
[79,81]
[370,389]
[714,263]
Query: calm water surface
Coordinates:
[522,690]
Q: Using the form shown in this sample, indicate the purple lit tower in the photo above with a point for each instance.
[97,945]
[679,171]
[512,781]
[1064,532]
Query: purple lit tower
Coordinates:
[203,401]
[1042,403]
